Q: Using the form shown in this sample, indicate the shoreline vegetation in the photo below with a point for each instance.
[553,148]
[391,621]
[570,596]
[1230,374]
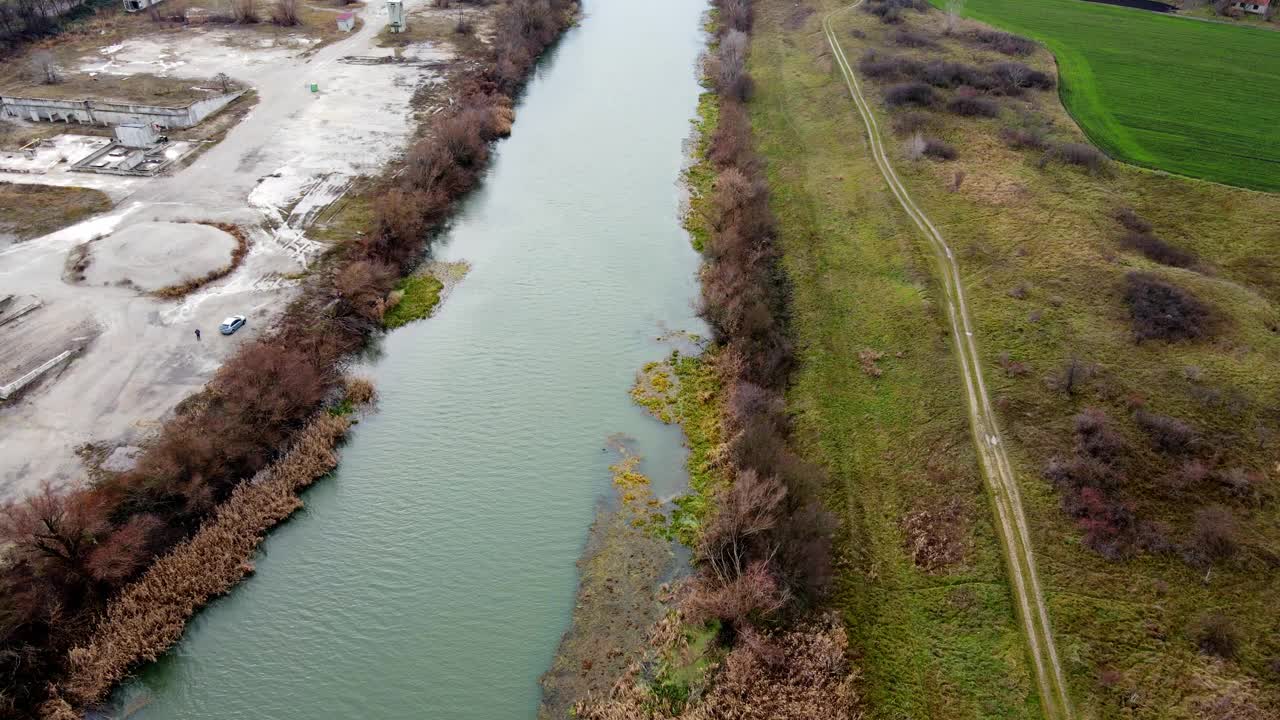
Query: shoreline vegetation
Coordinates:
[745,636]
[76,558]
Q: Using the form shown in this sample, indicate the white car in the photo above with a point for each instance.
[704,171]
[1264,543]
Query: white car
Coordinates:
[231,324]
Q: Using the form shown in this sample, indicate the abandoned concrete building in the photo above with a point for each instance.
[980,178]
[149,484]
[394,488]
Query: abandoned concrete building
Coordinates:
[139,5]
[100,112]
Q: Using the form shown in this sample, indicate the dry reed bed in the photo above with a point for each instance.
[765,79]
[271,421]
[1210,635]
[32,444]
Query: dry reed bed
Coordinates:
[149,616]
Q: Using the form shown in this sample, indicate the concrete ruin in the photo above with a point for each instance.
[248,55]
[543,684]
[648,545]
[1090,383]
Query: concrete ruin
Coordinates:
[100,112]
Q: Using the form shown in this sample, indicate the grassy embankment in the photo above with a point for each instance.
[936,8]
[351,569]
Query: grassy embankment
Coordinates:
[1194,98]
[30,211]
[878,402]
[1045,268]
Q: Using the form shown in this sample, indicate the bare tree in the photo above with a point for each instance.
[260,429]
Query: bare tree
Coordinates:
[44,68]
[245,12]
[915,147]
[955,8]
[285,12]
[224,81]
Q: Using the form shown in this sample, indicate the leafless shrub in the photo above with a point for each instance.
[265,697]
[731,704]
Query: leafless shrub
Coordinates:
[732,79]
[1156,249]
[911,93]
[914,147]
[1215,636]
[939,150]
[913,39]
[1013,77]
[1021,138]
[285,13]
[951,22]
[1132,221]
[1163,311]
[44,68]
[463,25]
[1004,42]
[150,615]
[972,105]
[948,74]
[799,674]
[1078,154]
[244,12]
[910,123]
[1170,434]
[889,67]
[1215,537]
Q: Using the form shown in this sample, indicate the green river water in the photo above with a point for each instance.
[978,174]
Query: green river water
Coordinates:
[433,573]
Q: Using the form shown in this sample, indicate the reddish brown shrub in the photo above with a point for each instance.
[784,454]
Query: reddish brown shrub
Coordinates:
[1215,536]
[1215,635]
[911,93]
[1158,250]
[1169,434]
[969,105]
[1163,311]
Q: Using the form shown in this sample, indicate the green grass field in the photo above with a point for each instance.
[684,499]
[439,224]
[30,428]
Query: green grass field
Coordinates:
[1176,94]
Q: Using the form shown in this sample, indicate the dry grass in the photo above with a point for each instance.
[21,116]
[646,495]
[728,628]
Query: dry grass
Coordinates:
[31,211]
[189,286]
[149,616]
[140,88]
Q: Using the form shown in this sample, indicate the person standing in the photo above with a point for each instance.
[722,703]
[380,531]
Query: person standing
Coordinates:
[197,334]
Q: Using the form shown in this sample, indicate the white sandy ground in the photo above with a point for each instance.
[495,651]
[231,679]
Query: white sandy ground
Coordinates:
[293,154]
[153,255]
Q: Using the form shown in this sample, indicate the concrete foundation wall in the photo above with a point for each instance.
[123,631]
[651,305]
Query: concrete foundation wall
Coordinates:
[95,112]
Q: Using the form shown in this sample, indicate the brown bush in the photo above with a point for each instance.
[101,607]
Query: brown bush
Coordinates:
[1154,248]
[1163,311]
[1078,154]
[1215,636]
[1013,77]
[1214,538]
[913,39]
[948,74]
[911,93]
[149,616]
[909,123]
[888,67]
[969,105]
[285,13]
[1169,434]
[1021,138]
[939,150]
[1004,42]
[1132,221]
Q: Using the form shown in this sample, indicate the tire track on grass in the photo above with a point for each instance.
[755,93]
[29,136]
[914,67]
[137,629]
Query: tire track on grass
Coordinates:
[996,468]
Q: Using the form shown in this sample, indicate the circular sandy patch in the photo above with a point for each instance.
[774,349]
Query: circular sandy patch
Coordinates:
[153,255]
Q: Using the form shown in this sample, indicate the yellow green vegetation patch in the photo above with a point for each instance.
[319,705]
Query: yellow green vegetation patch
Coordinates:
[684,389]
[417,296]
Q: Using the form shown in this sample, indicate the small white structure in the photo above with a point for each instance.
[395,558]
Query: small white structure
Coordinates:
[136,135]
[347,21]
[1257,7]
[396,19]
[138,5]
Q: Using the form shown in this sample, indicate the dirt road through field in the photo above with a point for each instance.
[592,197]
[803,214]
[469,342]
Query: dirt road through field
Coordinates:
[986,431]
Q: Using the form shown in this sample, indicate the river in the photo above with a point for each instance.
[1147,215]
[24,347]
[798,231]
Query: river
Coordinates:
[433,573]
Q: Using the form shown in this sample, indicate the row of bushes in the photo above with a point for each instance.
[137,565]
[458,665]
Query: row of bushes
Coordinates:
[73,551]
[1004,78]
[767,546]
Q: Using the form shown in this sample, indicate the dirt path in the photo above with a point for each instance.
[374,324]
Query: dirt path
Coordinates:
[986,431]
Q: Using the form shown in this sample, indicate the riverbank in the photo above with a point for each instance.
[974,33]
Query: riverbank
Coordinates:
[261,398]
[434,571]
[1048,243]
